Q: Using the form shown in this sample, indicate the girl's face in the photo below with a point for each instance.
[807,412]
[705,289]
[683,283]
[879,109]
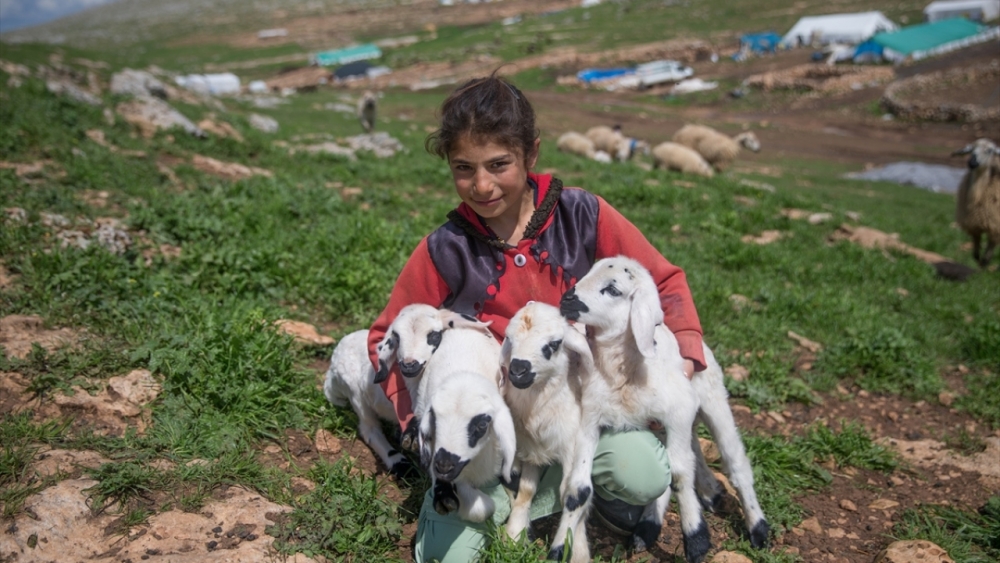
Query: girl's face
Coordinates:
[490,178]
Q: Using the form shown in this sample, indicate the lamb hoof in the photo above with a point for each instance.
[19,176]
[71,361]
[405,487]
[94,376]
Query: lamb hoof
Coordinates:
[645,535]
[697,544]
[760,534]
[556,553]
[712,504]
[404,470]
[445,498]
[408,440]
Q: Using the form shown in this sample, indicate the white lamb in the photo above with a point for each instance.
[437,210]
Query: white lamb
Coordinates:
[977,208]
[467,440]
[367,108]
[618,301]
[717,149]
[615,143]
[415,340]
[674,156]
[550,371]
[349,379]
[576,143]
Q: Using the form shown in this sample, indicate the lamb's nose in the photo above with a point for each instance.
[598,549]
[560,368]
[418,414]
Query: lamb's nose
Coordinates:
[410,369]
[570,305]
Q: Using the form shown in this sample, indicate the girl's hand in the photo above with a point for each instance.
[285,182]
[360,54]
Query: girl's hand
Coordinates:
[688,368]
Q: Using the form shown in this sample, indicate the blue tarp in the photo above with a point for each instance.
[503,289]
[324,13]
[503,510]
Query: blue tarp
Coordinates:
[598,74]
[765,42]
[869,51]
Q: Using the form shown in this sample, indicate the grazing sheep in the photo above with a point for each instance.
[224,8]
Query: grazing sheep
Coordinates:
[640,359]
[575,143]
[367,106]
[549,369]
[613,142]
[431,343]
[716,148]
[349,379]
[977,209]
[674,156]
[466,441]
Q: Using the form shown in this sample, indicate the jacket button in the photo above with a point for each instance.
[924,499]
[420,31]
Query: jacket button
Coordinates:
[520,260]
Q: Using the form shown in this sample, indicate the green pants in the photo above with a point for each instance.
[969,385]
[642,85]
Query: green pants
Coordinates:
[630,466]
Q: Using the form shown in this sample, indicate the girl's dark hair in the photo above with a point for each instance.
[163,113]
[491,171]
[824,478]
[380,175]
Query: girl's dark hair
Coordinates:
[485,109]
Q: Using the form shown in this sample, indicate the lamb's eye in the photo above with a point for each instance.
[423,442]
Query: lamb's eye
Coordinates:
[611,290]
[551,348]
[434,338]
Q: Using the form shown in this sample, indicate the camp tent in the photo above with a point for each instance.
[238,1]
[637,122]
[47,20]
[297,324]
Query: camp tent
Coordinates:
[975,10]
[760,42]
[927,39]
[837,28]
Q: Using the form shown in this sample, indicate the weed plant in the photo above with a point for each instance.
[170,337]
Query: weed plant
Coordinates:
[967,537]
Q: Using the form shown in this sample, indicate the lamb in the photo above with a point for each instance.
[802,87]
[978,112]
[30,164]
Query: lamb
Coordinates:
[466,440]
[575,143]
[637,355]
[415,341]
[716,148]
[550,370]
[613,142]
[977,209]
[349,379]
[367,106]
[674,156]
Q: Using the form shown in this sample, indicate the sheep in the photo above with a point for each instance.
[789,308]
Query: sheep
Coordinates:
[716,148]
[549,371]
[640,359]
[613,142]
[977,209]
[367,106]
[674,156]
[575,143]
[466,440]
[349,379]
[415,341]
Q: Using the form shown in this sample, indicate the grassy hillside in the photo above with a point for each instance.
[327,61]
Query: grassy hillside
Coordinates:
[299,245]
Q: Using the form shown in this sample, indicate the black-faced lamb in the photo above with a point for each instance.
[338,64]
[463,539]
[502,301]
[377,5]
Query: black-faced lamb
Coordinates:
[467,440]
[549,376]
[977,206]
[415,340]
[716,148]
[640,359]
[349,380]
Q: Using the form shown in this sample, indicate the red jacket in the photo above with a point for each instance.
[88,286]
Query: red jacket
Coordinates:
[463,267]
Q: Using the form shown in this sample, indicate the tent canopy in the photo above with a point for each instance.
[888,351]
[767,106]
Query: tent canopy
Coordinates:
[760,42]
[977,10]
[347,55]
[838,28]
[927,36]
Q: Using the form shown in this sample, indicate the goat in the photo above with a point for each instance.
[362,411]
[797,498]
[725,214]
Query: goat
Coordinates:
[977,205]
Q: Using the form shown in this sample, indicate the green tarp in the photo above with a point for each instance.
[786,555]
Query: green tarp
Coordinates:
[348,55]
[926,36]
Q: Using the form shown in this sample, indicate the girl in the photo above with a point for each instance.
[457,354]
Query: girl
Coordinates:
[516,237]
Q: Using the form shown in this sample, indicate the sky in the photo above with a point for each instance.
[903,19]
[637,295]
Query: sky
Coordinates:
[15,14]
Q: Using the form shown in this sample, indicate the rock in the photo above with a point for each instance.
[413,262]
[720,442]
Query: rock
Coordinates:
[909,551]
[304,333]
[263,123]
[931,454]
[72,91]
[137,83]
[811,525]
[766,237]
[115,240]
[327,443]
[219,128]
[883,504]
[817,218]
[53,462]
[709,450]
[737,372]
[381,144]
[227,170]
[730,557]
[813,347]
[17,332]
[724,481]
[138,387]
[848,505]
[150,114]
[742,302]
[946,398]
[795,214]
[836,533]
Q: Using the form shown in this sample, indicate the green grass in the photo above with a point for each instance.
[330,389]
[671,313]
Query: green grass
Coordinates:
[967,537]
[20,440]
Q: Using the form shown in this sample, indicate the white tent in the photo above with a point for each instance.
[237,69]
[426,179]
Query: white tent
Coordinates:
[975,10]
[837,28]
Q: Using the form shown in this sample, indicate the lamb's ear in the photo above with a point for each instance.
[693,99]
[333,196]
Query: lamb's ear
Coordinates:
[386,351]
[965,150]
[503,428]
[505,351]
[644,315]
[451,319]
[576,342]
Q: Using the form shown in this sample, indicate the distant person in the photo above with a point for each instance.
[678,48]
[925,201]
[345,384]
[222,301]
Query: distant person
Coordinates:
[367,106]
[518,236]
